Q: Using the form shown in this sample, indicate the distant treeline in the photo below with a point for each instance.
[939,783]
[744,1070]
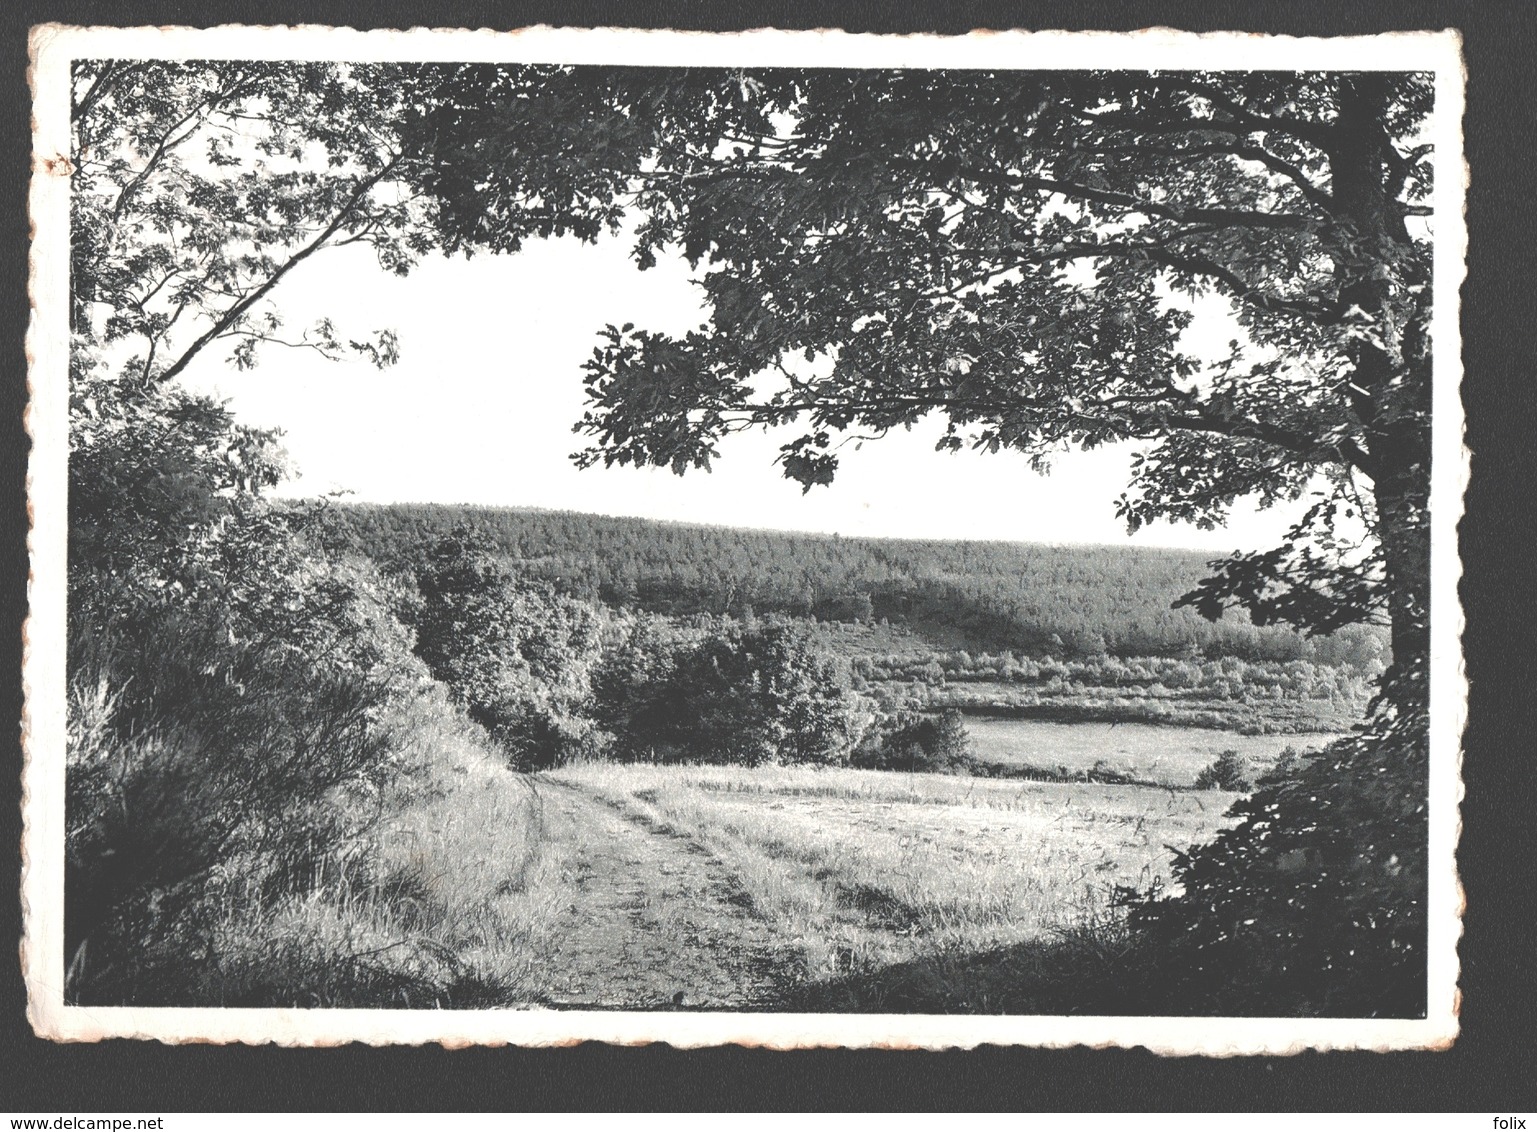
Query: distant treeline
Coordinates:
[1064,601]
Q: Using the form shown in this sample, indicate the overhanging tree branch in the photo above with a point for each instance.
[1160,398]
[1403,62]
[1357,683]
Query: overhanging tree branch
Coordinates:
[1216,217]
[235,312]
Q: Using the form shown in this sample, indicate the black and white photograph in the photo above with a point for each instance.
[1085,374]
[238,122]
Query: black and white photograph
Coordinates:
[790,538]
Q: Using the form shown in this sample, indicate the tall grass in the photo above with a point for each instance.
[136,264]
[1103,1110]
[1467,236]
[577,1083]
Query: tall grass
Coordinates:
[429,887]
[871,871]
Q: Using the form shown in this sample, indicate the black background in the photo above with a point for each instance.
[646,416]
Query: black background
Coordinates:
[1492,1065]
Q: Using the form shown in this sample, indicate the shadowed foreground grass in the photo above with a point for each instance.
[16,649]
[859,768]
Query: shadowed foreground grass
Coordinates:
[467,885]
[1091,968]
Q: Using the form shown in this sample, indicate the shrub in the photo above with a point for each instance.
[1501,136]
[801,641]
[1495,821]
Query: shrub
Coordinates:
[935,743]
[440,894]
[225,689]
[1230,771]
[517,656]
[765,695]
[739,695]
[230,764]
[631,681]
[156,476]
[191,759]
[1314,903]
[1286,764]
[536,736]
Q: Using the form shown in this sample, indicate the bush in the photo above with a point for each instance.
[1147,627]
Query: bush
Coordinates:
[1314,903]
[235,788]
[536,736]
[155,475]
[631,681]
[437,894]
[191,759]
[518,657]
[226,685]
[736,695]
[919,742]
[1230,771]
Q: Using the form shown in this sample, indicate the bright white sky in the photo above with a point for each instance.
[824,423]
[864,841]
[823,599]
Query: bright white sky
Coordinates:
[480,408]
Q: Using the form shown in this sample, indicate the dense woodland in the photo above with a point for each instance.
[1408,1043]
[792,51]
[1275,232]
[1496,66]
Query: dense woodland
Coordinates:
[1059,601]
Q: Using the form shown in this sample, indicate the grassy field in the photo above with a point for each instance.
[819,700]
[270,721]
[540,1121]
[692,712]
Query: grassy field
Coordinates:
[1168,755]
[895,891]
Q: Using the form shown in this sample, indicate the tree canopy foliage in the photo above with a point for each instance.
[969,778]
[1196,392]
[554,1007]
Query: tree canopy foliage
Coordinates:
[1019,253]
[198,187]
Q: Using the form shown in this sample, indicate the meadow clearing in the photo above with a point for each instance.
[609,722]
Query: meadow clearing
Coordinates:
[1170,756]
[835,889]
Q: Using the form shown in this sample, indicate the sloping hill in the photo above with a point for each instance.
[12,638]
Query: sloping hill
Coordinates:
[1064,600]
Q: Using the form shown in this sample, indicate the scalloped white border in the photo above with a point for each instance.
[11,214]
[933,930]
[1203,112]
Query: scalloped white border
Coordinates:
[52,49]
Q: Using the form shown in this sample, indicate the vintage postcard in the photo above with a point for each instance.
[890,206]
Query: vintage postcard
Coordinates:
[788,538]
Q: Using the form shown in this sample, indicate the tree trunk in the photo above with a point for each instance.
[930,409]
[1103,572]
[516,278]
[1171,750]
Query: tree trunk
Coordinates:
[1404,531]
[1390,382]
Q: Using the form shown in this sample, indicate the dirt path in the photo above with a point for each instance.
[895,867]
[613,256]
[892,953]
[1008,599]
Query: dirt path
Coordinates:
[657,922]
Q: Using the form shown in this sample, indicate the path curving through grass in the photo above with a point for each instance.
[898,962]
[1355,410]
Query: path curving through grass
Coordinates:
[798,888]
[655,921]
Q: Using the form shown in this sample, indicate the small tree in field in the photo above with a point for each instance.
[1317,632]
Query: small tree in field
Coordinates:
[918,742]
[764,695]
[1229,771]
[740,695]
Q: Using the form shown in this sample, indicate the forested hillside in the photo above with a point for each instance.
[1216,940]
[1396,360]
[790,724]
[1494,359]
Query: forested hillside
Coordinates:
[1043,600]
